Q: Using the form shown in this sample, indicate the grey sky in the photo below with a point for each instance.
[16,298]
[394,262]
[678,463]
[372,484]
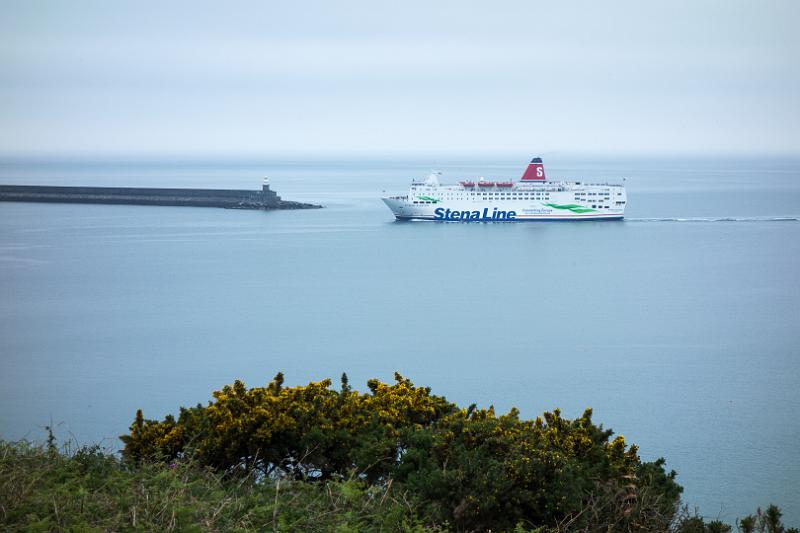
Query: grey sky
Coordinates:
[369,77]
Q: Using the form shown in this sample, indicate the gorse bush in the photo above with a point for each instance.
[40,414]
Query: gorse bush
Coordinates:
[309,432]
[469,468]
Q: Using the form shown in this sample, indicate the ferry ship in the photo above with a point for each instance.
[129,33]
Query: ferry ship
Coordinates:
[532,197]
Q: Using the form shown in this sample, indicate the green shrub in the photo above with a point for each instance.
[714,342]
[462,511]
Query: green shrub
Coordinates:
[468,467]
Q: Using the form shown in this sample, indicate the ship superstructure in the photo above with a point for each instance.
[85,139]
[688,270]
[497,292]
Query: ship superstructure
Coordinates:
[533,197]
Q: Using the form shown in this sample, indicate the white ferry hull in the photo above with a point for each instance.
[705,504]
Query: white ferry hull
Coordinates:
[404,210]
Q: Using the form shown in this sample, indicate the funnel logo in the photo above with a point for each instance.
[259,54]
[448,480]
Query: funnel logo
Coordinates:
[535,170]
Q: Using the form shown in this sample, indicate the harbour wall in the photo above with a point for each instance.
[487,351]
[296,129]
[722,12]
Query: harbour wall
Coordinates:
[227,198]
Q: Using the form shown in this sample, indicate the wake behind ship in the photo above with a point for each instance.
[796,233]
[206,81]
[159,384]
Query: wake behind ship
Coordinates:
[530,198]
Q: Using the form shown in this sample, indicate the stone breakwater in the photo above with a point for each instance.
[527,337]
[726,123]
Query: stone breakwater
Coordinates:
[227,198]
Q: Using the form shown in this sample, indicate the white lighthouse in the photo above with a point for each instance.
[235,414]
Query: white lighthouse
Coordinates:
[269,197]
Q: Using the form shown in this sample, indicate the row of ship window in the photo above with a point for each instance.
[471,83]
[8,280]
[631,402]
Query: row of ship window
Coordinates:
[594,206]
[500,195]
[514,194]
[503,197]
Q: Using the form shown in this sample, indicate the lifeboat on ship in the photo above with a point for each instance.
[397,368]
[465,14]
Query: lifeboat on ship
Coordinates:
[485,184]
[468,184]
[505,183]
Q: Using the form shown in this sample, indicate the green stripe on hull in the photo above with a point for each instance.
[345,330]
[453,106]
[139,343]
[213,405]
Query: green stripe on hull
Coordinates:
[571,207]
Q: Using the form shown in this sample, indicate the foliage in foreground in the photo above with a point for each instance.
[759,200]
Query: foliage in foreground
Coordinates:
[88,490]
[396,458]
[44,490]
[470,468]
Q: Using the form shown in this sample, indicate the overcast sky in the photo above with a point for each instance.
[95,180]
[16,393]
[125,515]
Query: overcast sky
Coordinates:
[371,77]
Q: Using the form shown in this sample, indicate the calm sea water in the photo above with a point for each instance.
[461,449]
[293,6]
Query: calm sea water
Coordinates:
[680,326]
